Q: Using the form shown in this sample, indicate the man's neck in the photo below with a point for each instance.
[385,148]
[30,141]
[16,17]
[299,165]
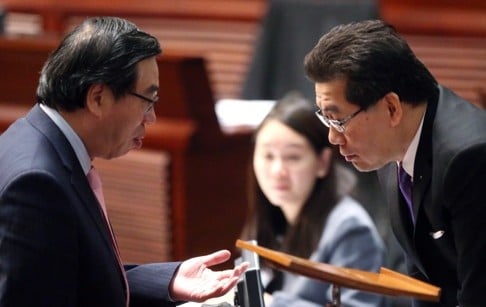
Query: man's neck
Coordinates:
[413,119]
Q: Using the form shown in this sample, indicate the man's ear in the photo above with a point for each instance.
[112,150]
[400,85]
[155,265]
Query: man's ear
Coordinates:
[394,108]
[94,99]
[325,162]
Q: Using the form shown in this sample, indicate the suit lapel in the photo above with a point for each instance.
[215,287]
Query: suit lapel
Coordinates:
[404,230]
[422,178]
[399,215]
[78,180]
[423,160]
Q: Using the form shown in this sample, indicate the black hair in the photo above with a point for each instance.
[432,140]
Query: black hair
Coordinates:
[101,50]
[373,60]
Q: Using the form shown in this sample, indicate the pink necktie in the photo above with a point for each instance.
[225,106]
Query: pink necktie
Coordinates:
[95,183]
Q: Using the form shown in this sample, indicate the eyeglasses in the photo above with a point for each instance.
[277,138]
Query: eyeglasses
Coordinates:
[151,102]
[334,123]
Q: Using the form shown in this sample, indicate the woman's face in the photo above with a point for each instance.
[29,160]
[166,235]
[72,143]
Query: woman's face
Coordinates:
[286,167]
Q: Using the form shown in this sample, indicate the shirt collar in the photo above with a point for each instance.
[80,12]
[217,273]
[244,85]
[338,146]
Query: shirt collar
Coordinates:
[408,161]
[73,139]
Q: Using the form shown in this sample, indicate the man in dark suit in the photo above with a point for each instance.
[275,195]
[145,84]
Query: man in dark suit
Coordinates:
[386,111]
[96,94]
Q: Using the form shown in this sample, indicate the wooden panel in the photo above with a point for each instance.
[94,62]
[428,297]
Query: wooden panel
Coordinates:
[449,36]
[136,189]
[55,13]
[438,17]
[9,113]
[225,45]
[194,9]
[457,62]
[21,61]
[220,31]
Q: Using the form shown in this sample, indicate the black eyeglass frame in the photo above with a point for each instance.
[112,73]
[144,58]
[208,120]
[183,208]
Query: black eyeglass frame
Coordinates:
[150,101]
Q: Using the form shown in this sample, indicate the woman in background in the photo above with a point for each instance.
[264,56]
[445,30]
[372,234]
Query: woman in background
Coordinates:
[299,204]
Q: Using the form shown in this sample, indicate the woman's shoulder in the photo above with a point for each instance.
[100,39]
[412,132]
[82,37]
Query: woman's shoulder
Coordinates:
[347,217]
[349,209]
[348,229]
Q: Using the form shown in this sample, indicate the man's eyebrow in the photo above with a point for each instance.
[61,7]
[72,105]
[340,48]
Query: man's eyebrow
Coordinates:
[331,108]
[151,89]
[328,108]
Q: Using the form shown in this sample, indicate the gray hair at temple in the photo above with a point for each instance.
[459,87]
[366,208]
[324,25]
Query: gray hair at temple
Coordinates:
[101,50]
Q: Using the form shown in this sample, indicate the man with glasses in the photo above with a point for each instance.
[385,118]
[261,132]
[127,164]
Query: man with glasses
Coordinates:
[95,96]
[337,124]
[387,112]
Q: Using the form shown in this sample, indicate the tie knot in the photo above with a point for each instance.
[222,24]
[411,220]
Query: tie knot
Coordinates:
[404,177]
[94,179]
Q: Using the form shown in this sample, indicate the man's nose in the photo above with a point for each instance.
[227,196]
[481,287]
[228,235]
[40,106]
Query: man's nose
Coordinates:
[150,117]
[335,137]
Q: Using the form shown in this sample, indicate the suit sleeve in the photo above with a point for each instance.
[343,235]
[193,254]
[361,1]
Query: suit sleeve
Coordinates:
[464,190]
[36,235]
[149,284]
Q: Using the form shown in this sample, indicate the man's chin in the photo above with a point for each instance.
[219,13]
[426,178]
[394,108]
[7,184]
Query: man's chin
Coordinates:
[118,153]
[363,167]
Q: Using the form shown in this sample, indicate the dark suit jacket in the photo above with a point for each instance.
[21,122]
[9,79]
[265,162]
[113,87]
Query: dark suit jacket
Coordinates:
[447,245]
[55,249]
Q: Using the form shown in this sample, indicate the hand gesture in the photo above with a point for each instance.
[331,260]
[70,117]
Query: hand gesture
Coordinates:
[194,281]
